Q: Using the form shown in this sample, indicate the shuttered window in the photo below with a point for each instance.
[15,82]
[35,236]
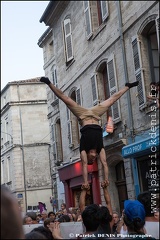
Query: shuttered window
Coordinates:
[88,18]
[112,83]
[68,40]
[138,71]
[104,9]
[2,171]
[69,126]
[157,30]
[8,169]
[54,79]
[79,101]
[94,89]
[54,142]
[78,96]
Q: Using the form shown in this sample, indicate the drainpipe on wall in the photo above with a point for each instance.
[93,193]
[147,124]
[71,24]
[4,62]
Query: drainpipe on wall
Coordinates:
[131,125]
[50,164]
[22,148]
[125,71]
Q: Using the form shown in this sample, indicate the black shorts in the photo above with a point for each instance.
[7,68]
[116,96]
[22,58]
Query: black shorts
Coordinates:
[91,138]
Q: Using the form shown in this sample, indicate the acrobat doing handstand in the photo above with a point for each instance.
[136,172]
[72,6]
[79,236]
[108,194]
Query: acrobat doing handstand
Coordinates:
[91,141]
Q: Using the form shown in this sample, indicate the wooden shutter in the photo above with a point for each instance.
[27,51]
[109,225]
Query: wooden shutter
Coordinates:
[79,101]
[78,96]
[104,9]
[157,30]
[69,126]
[87,13]
[138,71]
[54,142]
[54,77]
[112,83]
[68,40]
[94,89]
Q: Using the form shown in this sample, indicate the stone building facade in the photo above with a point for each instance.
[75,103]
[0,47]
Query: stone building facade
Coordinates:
[25,143]
[90,50]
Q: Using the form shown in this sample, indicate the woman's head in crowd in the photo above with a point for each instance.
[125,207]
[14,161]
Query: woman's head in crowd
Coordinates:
[134,216]
[27,220]
[63,206]
[39,217]
[48,222]
[52,215]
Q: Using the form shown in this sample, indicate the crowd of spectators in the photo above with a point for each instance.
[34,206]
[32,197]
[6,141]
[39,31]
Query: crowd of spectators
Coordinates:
[136,219]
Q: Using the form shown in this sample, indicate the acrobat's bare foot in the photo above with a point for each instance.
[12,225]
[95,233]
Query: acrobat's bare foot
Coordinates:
[105,184]
[85,186]
[45,80]
[130,85]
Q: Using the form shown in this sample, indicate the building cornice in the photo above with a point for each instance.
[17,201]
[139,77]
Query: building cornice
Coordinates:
[22,82]
[17,103]
[53,11]
[47,34]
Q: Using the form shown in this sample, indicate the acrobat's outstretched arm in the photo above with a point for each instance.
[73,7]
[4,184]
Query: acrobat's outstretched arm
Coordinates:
[107,198]
[82,199]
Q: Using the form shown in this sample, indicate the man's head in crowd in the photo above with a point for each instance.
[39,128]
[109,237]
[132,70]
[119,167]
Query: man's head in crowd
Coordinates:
[11,219]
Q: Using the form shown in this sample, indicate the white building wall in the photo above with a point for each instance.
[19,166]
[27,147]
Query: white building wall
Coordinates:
[28,146]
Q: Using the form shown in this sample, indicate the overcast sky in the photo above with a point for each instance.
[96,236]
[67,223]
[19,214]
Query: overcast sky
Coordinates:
[21,57]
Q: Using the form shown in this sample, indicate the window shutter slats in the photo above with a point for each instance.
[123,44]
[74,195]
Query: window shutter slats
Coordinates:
[87,17]
[135,55]
[78,96]
[54,142]
[54,77]
[138,72]
[94,89]
[69,127]
[157,30]
[68,40]
[112,82]
[104,9]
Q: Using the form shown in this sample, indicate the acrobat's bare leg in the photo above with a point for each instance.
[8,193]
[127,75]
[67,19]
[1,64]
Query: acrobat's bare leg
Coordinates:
[102,156]
[109,102]
[67,100]
[83,156]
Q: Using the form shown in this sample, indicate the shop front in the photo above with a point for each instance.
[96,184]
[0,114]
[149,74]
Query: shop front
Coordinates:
[71,176]
[144,155]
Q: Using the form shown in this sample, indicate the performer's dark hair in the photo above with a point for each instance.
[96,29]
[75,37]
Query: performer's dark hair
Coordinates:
[105,218]
[35,235]
[64,218]
[46,232]
[90,217]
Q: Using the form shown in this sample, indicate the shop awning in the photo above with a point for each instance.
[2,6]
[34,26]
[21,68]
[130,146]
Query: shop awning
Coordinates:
[141,147]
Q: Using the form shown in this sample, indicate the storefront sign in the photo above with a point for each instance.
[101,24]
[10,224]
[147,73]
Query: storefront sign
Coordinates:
[138,147]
